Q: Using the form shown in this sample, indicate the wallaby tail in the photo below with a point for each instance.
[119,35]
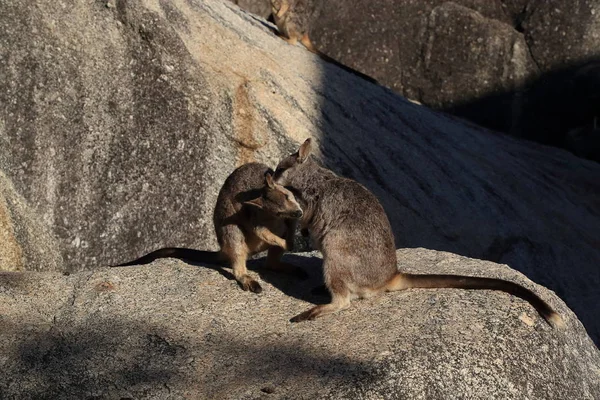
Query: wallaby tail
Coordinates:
[211,257]
[406,281]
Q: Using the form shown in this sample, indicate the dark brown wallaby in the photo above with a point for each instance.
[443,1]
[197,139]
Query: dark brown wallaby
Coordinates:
[252,214]
[351,229]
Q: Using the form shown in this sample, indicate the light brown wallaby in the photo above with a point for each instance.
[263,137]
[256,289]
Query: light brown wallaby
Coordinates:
[252,214]
[351,229]
[291,18]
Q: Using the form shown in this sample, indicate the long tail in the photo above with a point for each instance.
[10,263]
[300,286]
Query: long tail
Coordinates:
[211,257]
[306,42]
[406,281]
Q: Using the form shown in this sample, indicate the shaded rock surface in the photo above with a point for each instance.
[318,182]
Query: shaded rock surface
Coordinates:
[173,330]
[119,124]
[492,62]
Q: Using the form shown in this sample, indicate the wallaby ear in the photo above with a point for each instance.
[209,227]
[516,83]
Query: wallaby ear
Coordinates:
[305,150]
[269,180]
[257,202]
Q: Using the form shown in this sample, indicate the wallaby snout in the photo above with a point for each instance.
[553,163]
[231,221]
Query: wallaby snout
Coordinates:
[296,214]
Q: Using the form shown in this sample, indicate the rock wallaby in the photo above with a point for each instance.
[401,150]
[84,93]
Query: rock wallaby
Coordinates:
[291,18]
[252,214]
[350,227]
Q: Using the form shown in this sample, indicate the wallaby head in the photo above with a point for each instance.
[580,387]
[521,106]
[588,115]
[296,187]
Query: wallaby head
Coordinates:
[276,200]
[293,163]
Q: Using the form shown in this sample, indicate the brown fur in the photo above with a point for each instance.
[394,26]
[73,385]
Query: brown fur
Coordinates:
[252,214]
[291,18]
[359,254]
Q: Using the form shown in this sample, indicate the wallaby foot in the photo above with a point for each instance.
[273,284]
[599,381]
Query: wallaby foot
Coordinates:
[338,302]
[237,258]
[247,283]
[305,40]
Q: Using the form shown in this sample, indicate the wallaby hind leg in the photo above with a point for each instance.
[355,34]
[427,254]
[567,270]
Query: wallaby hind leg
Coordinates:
[241,275]
[236,252]
[274,263]
[340,300]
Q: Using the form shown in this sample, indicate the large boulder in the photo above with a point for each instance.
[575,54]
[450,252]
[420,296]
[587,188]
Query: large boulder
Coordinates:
[558,107]
[438,52]
[172,330]
[120,121]
[491,61]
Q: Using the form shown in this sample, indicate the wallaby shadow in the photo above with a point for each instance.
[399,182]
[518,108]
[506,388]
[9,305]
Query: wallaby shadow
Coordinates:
[310,289]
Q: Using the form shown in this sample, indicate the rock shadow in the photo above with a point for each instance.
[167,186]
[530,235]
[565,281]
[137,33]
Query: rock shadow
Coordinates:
[122,359]
[559,108]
